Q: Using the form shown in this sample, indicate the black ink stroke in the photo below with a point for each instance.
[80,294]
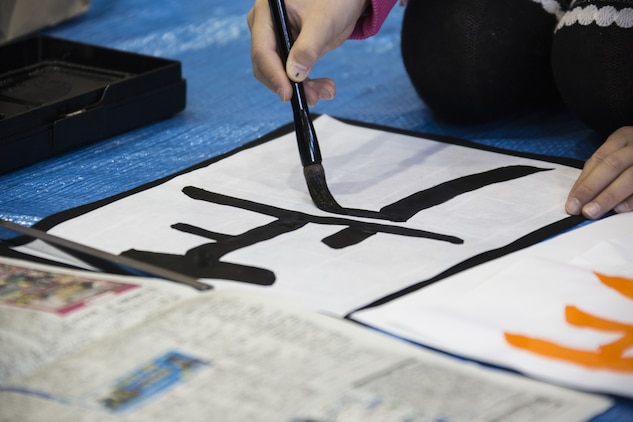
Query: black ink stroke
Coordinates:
[406,208]
[205,261]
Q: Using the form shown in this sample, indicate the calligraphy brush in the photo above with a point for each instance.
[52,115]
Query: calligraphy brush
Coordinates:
[119,261]
[306,135]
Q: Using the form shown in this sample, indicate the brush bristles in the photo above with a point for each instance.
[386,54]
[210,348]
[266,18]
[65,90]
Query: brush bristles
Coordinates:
[317,186]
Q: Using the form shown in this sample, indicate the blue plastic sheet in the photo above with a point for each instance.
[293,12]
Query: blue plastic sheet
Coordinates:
[227,107]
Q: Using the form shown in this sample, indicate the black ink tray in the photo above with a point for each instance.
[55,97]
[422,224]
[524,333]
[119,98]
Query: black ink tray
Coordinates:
[56,95]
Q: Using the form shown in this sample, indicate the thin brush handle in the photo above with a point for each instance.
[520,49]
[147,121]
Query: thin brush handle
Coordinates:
[306,135]
[118,260]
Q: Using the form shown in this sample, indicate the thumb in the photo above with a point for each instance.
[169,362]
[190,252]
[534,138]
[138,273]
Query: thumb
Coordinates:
[309,47]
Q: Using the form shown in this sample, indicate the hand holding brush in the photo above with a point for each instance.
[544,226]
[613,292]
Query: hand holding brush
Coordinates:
[306,136]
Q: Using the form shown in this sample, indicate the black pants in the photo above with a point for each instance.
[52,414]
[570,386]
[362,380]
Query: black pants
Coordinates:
[473,61]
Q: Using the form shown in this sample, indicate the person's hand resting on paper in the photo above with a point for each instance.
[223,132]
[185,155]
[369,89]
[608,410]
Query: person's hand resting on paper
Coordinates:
[606,181]
[317,27]
[469,74]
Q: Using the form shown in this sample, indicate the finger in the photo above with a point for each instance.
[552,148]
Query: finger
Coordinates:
[607,163]
[302,58]
[317,37]
[597,191]
[616,195]
[618,140]
[607,185]
[319,89]
[267,65]
[625,206]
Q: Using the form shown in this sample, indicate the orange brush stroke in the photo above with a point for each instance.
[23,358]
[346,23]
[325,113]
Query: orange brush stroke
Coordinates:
[609,356]
[622,285]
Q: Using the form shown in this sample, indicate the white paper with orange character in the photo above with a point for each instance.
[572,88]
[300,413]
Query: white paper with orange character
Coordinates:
[560,311]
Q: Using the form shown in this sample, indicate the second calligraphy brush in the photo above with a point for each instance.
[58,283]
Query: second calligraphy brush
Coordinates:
[306,135]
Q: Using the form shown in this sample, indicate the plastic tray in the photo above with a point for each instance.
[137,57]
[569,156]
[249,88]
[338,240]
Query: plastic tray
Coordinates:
[56,95]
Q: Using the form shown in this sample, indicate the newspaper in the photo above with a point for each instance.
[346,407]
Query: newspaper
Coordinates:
[233,355]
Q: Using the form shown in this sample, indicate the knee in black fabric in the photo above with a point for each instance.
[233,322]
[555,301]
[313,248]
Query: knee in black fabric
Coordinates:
[592,60]
[476,60]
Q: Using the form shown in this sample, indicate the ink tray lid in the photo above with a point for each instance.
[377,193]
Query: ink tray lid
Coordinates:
[57,95]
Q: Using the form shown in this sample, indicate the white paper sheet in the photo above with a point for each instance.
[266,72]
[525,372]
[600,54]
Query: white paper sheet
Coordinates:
[546,311]
[293,249]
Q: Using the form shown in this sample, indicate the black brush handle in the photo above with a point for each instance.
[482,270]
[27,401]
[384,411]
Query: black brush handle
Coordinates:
[306,135]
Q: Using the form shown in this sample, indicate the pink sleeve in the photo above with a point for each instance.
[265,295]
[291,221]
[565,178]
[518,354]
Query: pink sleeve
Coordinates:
[372,20]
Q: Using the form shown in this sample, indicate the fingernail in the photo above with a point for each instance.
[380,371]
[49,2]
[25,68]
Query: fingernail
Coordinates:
[298,71]
[622,207]
[592,210]
[573,206]
[326,94]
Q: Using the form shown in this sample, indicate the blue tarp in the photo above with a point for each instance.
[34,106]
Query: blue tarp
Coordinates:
[227,107]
